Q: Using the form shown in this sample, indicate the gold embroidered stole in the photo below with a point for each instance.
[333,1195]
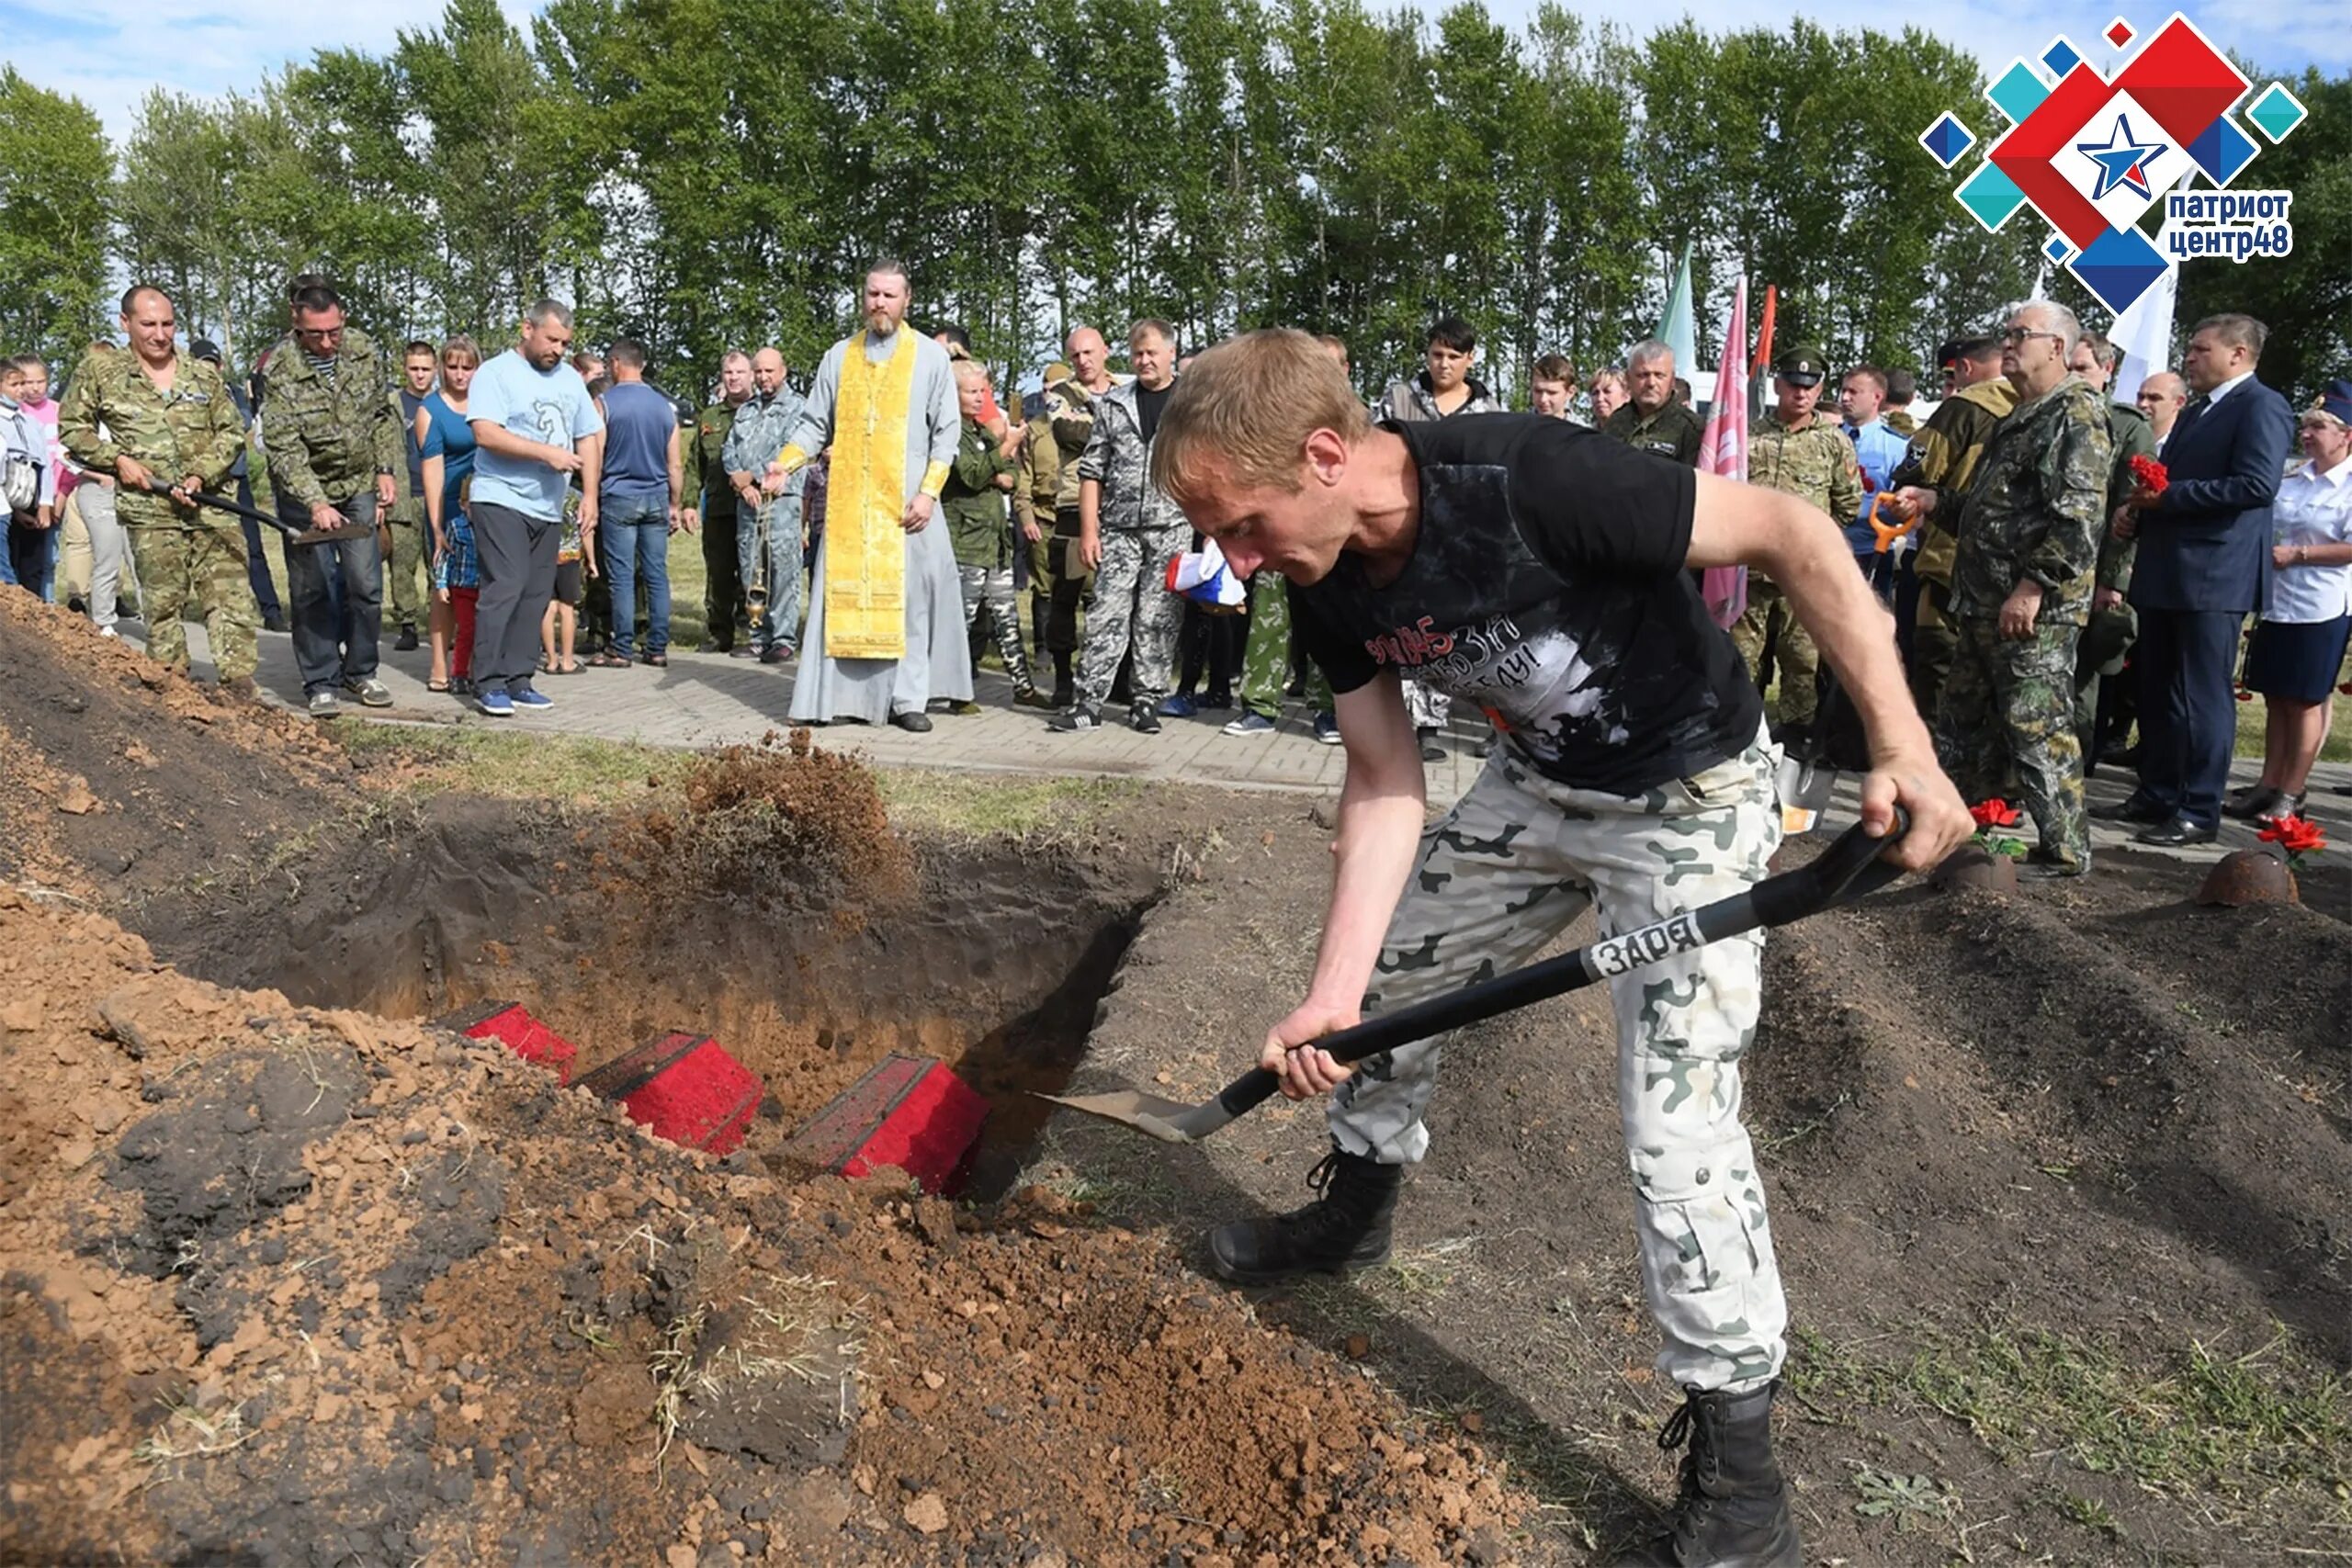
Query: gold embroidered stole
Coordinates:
[866,549]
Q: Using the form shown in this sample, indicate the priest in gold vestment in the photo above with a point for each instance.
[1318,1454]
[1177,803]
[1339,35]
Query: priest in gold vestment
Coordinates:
[885,618]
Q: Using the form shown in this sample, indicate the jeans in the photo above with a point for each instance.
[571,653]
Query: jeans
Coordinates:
[338,594]
[256,563]
[518,584]
[633,535]
[32,554]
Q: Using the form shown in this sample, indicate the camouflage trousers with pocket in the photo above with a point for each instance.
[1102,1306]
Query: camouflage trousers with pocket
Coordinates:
[1132,605]
[989,596]
[1770,622]
[1503,873]
[408,587]
[203,569]
[1265,660]
[2008,711]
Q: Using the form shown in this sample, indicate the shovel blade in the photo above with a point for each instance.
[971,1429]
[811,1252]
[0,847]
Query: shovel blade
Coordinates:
[1806,787]
[1163,1118]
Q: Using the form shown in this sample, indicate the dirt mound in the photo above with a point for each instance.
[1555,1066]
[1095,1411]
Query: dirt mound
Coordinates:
[118,776]
[745,811]
[298,1286]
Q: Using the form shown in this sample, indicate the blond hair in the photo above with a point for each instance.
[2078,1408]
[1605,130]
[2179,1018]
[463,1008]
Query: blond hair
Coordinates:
[462,347]
[1245,411]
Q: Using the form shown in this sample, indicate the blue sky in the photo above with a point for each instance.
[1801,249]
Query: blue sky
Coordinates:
[109,52]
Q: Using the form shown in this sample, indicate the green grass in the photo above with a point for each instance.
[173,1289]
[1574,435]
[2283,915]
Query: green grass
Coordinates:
[2337,748]
[959,806]
[2265,1432]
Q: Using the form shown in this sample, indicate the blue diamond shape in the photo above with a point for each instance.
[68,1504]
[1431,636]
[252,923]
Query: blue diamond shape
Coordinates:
[1946,140]
[2056,249]
[2276,112]
[2019,92]
[1990,196]
[2222,149]
[2061,58]
[2118,267]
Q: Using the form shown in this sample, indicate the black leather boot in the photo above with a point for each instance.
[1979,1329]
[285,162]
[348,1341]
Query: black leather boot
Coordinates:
[1346,1227]
[1732,1508]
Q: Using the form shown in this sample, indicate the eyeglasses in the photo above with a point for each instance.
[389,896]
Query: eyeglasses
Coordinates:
[2016,335]
[318,334]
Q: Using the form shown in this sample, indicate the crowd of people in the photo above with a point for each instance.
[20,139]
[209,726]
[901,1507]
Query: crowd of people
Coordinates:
[2061,568]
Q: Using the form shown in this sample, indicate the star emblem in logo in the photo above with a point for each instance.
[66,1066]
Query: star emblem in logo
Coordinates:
[2120,159]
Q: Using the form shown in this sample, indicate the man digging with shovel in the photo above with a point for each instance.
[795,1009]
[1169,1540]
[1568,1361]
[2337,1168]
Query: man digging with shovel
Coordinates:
[1542,571]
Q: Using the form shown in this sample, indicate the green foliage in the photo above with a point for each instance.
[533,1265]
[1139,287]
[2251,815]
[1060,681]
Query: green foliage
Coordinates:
[710,173]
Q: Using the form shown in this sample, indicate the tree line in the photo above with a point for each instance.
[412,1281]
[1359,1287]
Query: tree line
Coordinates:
[705,174]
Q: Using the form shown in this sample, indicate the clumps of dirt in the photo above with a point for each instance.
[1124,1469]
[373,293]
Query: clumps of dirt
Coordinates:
[746,811]
[118,776]
[303,1286]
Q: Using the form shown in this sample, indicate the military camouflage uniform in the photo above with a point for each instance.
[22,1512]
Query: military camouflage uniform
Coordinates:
[2107,635]
[1142,530]
[722,573]
[2035,509]
[1673,431]
[1038,479]
[762,427]
[1944,457]
[1413,400]
[1504,872]
[328,436]
[1265,664]
[186,559]
[1070,415]
[973,509]
[1813,461]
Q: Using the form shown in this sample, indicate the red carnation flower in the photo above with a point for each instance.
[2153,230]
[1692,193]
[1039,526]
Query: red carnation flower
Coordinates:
[1994,813]
[2299,836]
[2150,475]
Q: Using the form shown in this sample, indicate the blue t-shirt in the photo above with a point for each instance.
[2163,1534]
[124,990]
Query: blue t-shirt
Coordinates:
[550,406]
[449,437]
[640,422]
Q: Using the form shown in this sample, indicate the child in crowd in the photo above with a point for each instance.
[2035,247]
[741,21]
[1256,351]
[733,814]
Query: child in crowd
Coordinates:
[574,564]
[456,585]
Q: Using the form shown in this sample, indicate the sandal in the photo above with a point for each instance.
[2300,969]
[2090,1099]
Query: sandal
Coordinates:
[572,669]
[605,660]
[437,686]
[659,661]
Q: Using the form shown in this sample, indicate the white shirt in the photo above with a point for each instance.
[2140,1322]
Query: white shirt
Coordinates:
[2227,388]
[2312,508]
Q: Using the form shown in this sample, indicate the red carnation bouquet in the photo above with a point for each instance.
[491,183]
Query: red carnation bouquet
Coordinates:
[1993,814]
[2150,476]
[2299,836]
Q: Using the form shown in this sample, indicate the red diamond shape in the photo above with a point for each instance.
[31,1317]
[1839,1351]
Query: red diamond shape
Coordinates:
[2118,32]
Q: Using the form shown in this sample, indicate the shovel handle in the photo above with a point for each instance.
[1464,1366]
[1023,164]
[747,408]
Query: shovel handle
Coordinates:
[223,503]
[1847,870]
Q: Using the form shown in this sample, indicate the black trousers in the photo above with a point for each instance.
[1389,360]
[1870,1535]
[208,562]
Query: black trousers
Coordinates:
[518,584]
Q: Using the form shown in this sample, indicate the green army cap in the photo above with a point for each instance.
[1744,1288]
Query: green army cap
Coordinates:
[1801,364]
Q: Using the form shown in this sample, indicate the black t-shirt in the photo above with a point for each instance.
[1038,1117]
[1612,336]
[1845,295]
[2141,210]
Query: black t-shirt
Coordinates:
[1147,406]
[1547,586]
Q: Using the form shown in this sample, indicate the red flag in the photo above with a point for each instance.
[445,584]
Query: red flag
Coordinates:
[1763,361]
[1723,450]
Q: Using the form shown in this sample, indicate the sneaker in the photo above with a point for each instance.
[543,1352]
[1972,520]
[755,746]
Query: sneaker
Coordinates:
[273,622]
[496,703]
[371,692]
[1251,724]
[965,708]
[1327,729]
[1143,721]
[1178,706]
[1079,717]
[529,697]
[109,631]
[323,703]
[407,641]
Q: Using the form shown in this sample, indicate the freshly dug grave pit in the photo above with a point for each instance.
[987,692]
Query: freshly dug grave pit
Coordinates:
[809,967]
[280,1285]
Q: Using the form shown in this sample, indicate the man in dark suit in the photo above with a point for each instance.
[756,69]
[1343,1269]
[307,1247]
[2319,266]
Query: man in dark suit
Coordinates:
[2204,549]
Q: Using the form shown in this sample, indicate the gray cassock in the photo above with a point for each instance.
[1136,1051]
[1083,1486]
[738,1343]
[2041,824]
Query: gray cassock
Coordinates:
[937,662]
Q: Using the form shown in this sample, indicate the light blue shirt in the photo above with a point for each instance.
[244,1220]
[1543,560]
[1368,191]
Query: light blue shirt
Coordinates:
[1878,449]
[549,406]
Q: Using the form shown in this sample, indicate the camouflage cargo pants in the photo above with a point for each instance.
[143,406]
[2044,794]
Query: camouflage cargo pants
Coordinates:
[1934,645]
[1770,623]
[406,591]
[2008,709]
[767,555]
[1265,662]
[988,591]
[1514,862]
[1132,605]
[203,569]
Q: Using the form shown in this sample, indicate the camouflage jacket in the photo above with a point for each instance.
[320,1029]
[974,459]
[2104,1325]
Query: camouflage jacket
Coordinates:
[1118,459]
[194,428]
[1814,460]
[1036,489]
[1673,432]
[1070,410]
[756,438]
[328,437]
[1944,455]
[2037,506]
[971,503]
[2134,437]
[706,464]
[1410,399]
